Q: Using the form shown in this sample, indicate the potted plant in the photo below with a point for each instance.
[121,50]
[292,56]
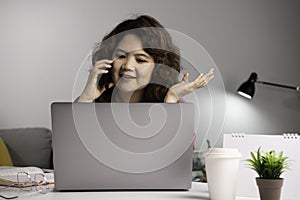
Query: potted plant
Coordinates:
[269,166]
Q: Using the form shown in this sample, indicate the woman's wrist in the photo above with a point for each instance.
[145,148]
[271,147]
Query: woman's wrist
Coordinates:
[82,98]
[171,97]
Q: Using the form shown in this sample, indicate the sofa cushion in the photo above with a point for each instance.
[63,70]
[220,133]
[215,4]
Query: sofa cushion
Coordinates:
[5,159]
[29,146]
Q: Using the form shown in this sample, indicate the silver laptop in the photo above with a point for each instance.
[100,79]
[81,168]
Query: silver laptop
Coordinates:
[121,146]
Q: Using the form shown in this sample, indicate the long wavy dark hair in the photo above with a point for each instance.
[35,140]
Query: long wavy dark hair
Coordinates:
[157,42]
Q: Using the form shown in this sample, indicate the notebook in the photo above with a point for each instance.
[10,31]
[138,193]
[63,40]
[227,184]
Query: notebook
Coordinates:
[121,146]
[289,143]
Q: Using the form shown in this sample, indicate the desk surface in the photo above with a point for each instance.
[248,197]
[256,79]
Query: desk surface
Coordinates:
[199,191]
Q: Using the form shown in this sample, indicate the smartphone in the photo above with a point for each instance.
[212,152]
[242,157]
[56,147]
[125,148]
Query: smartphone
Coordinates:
[105,79]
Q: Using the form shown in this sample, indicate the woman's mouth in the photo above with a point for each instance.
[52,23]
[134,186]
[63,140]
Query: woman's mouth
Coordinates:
[127,76]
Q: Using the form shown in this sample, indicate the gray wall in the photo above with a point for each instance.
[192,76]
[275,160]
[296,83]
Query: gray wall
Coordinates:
[43,43]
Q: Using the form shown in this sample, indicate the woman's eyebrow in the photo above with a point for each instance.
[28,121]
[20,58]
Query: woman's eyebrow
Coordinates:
[136,54]
[120,50]
[142,54]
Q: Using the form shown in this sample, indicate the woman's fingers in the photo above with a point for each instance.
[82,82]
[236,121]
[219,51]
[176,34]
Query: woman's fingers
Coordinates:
[100,67]
[202,80]
[103,64]
[185,77]
[185,87]
[104,61]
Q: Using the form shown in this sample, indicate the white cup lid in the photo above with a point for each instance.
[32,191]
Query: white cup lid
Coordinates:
[224,152]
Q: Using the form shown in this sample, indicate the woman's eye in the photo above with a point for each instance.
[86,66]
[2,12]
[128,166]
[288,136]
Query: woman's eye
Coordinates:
[120,56]
[140,60]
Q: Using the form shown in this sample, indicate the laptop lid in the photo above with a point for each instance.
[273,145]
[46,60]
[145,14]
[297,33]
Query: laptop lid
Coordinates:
[120,146]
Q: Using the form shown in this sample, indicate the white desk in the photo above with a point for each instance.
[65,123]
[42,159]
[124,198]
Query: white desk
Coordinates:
[198,191]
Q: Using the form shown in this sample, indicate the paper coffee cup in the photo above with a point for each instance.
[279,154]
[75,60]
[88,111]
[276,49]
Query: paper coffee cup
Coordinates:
[222,166]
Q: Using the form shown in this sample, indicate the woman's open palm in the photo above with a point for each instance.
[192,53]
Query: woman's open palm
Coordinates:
[185,87]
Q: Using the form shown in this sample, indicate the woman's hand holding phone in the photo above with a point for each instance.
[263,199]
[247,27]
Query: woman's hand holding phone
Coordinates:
[92,91]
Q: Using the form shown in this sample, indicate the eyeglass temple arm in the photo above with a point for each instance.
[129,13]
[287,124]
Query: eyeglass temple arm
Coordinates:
[297,88]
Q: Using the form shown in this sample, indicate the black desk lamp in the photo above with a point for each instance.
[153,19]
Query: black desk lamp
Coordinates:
[247,89]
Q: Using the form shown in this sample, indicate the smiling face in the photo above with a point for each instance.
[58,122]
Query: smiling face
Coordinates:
[132,66]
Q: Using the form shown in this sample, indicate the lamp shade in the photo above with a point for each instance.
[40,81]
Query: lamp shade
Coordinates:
[247,89]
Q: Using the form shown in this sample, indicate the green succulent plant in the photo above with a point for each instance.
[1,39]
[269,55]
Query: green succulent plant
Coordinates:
[268,165]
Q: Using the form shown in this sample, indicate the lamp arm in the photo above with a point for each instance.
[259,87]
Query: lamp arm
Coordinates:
[297,88]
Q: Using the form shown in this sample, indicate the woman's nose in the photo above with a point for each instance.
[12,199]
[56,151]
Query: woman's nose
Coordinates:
[129,63]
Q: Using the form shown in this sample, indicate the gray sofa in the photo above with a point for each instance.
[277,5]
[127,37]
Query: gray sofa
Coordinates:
[29,146]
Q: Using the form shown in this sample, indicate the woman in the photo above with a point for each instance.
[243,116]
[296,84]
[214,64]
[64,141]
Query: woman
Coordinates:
[138,62]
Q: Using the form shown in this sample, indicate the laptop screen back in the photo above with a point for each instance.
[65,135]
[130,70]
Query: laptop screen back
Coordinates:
[122,146]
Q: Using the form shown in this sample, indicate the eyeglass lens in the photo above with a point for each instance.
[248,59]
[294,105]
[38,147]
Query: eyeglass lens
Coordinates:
[24,181]
[41,183]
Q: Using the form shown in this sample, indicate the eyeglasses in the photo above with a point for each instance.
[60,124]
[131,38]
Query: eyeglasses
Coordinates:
[26,182]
